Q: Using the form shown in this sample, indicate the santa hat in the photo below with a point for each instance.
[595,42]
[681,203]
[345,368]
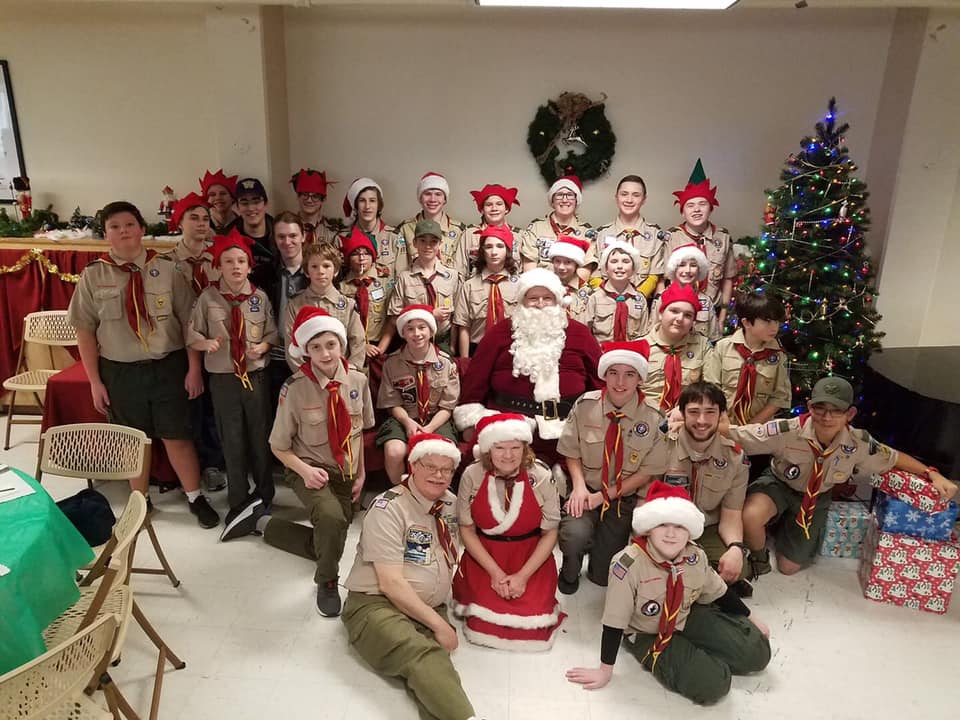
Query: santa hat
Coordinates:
[508,195]
[233,239]
[667,504]
[622,246]
[697,186]
[357,187]
[501,232]
[541,277]
[572,248]
[310,181]
[432,444]
[502,427]
[310,322]
[567,182]
[677,293]
[433,181]
[354,241]
[690,251]
[635,354]
[187,202]
[416,312]
[210,179]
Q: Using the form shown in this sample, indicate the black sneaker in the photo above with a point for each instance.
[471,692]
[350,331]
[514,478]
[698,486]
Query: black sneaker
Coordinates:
[742,588]
[328,599]
[569,569]
[206,516]
[759,563]
[244,521]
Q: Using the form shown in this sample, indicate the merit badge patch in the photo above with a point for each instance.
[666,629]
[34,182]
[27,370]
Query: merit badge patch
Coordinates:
[254,300]
[381,503]
[773,359]
[452,234]
[692,559]
[848,449]
[619,571]
[438,365]
[354,394]
[341,304]
[792,472]
[154,272]
[641,429]
[690,354]
[650,608]
[417,548]
[719,463]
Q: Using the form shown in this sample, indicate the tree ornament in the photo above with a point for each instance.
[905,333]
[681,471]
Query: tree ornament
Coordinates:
[575,124]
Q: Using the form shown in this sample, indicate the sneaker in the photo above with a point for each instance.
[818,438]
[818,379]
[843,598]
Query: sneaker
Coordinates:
[244,521]
[214,479]
[206,516]
[328,599]
[759,563]
[567,570]
[742,588]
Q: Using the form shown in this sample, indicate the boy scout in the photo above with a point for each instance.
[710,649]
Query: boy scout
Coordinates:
[494,203]
[672,611]
[564,196]
[369,284]
[220,193]
[567,255]
[612,443]
[617,310]
[751,366]
[254,221]
[233,325]
[688,266]
[131,309]
[395,615]
[191,216]
[419,389]
[322,263]
[318,435]
[363,206]
[311,188]
[811,454]
[433,191]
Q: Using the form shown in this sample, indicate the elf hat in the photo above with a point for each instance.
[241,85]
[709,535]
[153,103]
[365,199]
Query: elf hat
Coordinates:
[635,354]
[310,322]
[310,181]
[667,504]
[508,195]
[432,444]
[357,187]
[622,246]
[567,182]
[690,251]
[210,179]
[354,241]
[233,239]
[433,181]
[502,427]
[541,277]
[180,207]
[675,293]
[697,186]
[501,232]
[416,312]
[572,248]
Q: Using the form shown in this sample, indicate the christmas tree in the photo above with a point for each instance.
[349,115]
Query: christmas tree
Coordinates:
[811,255]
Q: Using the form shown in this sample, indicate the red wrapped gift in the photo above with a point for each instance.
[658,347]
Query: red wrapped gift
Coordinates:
[909,571]
[911,489]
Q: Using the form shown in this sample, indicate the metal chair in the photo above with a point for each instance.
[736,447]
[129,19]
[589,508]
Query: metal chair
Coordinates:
[50,328]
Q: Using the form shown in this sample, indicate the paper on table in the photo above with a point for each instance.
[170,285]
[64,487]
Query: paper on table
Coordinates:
[12,486]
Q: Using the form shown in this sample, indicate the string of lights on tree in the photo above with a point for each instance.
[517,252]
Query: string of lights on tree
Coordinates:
[811,255]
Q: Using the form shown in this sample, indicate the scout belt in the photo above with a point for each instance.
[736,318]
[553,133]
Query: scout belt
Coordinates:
[549,409]
[510,538]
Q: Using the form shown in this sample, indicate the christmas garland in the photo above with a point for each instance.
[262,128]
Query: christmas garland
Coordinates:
[36,255]
[573,119]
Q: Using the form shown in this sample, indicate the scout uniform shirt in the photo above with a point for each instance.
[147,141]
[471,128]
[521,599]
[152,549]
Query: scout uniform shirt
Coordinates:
[584,432]
[723,365]
[411,289]
[449,242]
[469,247]
[326,231]
[715,477]
[391,248]
[647,238]
[398,388]
[717,246]
[852,450]
[638,587]
[577,293]
[541,482]
[399,530]
[301,422]
[693,350]
[470,304]
[705,321]
[99,306]
[542,233]
[210,319]
[339,306]
[600,312]
[380,288]
[197,280]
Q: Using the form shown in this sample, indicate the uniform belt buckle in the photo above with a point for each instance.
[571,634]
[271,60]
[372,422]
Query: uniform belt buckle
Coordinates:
[553,413]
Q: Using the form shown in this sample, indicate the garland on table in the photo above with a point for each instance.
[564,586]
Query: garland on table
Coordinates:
[46,265]
[572,119]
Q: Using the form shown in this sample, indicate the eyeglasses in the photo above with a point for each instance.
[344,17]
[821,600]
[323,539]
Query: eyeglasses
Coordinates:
[444,472]
[314,197]
[827,411]
[564,196]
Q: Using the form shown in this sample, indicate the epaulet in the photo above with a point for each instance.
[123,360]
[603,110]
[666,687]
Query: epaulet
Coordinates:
[861,434]
[653,225]
[722,230]
[589,395]
[459,224]
[168,256]
[389,228]
[675,228]
[96,261]
[408,221]
[735,450]
[607,226]
[384,498]
[629,555]
[443,354]
[514,229]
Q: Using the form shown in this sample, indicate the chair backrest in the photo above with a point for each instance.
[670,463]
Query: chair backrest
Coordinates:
[49,327]
[95,451]
[44,686]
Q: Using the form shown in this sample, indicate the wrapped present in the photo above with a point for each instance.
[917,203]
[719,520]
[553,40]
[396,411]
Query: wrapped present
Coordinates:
[896,516]
[909,488]
[847,524]
[908,571]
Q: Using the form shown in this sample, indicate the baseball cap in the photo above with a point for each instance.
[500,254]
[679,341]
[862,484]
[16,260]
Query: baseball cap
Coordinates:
[251,186]
[428,227]
[834,391]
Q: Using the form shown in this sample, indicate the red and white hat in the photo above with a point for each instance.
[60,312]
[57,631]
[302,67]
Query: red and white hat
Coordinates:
[635,354]
[502,427]
[622,246]
[567,182]
[675,293]
[572,248]
[233,239]
[690,251]
[357,187]
[416,312]
[667,504]
[310,322]
[501,232]
[180,207]
[355,240]
[432,444]
[508,195]
[541,277]
[433,181]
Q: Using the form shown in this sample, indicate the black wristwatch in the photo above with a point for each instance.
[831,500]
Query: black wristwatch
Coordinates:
[743,548]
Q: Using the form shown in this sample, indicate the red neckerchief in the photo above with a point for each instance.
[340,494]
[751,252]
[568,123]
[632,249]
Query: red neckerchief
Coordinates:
[747,383]
[672,602]
[238,334]
[135,301]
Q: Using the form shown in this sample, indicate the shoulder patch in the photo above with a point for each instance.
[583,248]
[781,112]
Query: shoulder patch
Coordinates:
[618,571]
[625,559]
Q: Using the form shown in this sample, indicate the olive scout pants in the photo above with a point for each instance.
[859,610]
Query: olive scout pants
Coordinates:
[602,539]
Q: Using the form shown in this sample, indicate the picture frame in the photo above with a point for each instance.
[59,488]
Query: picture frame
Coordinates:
[11,149]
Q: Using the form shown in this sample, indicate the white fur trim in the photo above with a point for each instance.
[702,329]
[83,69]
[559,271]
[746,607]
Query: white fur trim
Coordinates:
[687,253]
[356,186]
[443,448]
[310,329]
[564,184]
[521,622]
[541,277]
[405,317]
[506,520]
[626,247]
[560,479]
[433,181]
[467,416]
[499,643]
[567,250]
[549,429]
[623,357]
[504,431]
[673,510]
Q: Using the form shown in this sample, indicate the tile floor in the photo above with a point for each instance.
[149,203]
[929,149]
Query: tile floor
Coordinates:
[244,622]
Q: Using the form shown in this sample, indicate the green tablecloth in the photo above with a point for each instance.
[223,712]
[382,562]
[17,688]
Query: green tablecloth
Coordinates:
[43,551]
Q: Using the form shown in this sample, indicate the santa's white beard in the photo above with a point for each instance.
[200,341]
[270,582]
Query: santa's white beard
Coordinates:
[539,335]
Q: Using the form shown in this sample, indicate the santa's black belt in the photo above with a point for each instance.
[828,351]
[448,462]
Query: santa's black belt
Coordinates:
[549,409]
[509,538]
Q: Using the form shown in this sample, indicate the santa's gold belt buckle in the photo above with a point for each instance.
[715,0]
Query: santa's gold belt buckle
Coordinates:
[550,409]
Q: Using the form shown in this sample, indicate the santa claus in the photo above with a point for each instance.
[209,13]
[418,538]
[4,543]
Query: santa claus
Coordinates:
[536,362]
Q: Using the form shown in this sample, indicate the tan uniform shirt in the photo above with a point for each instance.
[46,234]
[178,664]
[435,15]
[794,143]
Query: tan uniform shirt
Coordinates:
[644,444]
[210,320]
[722,367]
[721,478]
[339,306]
[411,289]
[705,322]
[398,388]
[470,304]
[647,238]
[469,248]
[578,292]
[601,310]
[694,352]
[99,306]
[380,291]
[301,422]
[718,247]
[541,482]
[792,462]
[181,256]
[326,231]
[449,244]
[540,236]
[398,529]
[638,587]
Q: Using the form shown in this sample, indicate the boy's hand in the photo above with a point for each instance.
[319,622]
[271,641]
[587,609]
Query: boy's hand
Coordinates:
[761,625]
[447,637]
[357,488]
[315,478]
[577,502]
[730,564]
[373,351]
[591,678]
[942,485]
[211,346]
[255,352]
[101,400]
[193,383]
[724,426]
